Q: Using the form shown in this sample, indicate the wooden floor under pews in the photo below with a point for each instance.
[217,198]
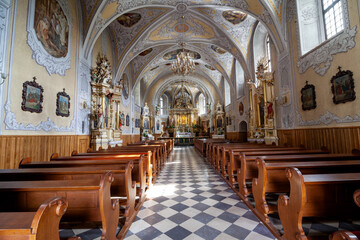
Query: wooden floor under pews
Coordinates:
[155,191]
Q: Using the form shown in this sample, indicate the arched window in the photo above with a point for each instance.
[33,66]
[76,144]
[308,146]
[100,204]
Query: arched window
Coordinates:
[268,52]
[318,21]
[202,104]
[161,106]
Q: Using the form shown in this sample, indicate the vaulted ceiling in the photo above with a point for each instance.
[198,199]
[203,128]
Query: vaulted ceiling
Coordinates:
[147,34]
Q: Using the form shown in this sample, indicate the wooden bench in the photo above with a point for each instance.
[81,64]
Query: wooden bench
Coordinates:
[118,165]
[141,173]
[148,159]
[230,154]
[230,168]
[162,147]
[157,161]
[272,179]
[40,225]
[316,195]
[248,167]
[88,200]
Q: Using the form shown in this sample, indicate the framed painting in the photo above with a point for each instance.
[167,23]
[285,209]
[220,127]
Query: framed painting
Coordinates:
[308,97]
[342,87]
[63,104]
[127,120]
[32,96]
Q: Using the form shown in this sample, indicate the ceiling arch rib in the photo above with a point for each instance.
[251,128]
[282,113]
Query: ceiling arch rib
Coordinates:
[204,57]
[101,20]
[193,80]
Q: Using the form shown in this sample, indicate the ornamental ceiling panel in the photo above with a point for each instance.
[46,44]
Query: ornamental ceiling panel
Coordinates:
[128,27]
[176,28]
[239,28]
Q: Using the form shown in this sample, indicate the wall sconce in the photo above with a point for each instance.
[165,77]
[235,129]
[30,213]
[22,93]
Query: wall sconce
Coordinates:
[3,77]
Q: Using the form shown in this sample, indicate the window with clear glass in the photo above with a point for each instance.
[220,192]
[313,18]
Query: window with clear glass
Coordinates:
[202,104]
[161,106]
[320,20]
[333,17]
[268,52]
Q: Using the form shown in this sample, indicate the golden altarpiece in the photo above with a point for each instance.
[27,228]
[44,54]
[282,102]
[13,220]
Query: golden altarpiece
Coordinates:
[105,109]
[262,110]
[219,122]
[183,117]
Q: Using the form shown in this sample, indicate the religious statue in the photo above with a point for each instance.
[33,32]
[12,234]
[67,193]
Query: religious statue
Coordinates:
[270,111]
[99,116]
[102,72]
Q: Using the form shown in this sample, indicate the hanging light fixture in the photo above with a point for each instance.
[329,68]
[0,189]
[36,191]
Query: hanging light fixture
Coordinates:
[183,64]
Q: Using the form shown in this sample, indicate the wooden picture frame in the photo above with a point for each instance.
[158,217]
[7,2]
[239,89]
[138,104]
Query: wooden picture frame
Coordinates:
[62,104]
[308,97]
[342,87]
[32,96]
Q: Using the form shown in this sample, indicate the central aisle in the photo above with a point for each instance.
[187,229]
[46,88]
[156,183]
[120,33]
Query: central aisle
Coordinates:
[191,201]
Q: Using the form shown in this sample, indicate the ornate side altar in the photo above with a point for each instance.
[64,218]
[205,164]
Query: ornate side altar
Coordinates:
[105,113]
[219,128]
[262,110]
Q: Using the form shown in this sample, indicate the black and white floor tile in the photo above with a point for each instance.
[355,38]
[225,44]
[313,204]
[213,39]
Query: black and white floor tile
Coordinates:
[191,201]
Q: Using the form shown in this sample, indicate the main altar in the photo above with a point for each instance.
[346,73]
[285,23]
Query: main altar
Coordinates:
[183,117]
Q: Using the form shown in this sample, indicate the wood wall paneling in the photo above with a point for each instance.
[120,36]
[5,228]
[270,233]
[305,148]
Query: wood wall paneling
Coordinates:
[337,140]
[39,148]
[237,136]
[130,139]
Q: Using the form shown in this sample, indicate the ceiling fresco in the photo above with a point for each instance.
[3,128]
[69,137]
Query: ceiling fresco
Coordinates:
[148,38]
[123,36]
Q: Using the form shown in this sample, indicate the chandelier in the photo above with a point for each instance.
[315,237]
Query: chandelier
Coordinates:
[183,64]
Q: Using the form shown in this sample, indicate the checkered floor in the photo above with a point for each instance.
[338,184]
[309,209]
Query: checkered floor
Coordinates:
[189,201]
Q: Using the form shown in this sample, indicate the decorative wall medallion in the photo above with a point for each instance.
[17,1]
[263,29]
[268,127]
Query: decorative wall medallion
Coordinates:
[181,28]
[63,104]
[172,55]
[49,34]
[342,87]
[32,96]
[146,52]
[218,49]
[129,19]
[308,97]
[125,86]
[241,108]
[235,17]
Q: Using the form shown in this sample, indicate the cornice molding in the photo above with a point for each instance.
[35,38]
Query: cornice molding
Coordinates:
[327,119]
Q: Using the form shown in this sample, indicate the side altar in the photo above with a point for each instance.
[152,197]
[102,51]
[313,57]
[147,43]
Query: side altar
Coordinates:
[262,109]
[105,110]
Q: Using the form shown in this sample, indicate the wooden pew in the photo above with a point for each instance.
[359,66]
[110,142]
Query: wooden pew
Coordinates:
[88,200]
[118,165]
[40,225]
[316,195]
[162,147]
[238,156]
[272,179]
[155,150]
[225,152]
[347,235]
[248,167]
[141,166]
[149,159]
